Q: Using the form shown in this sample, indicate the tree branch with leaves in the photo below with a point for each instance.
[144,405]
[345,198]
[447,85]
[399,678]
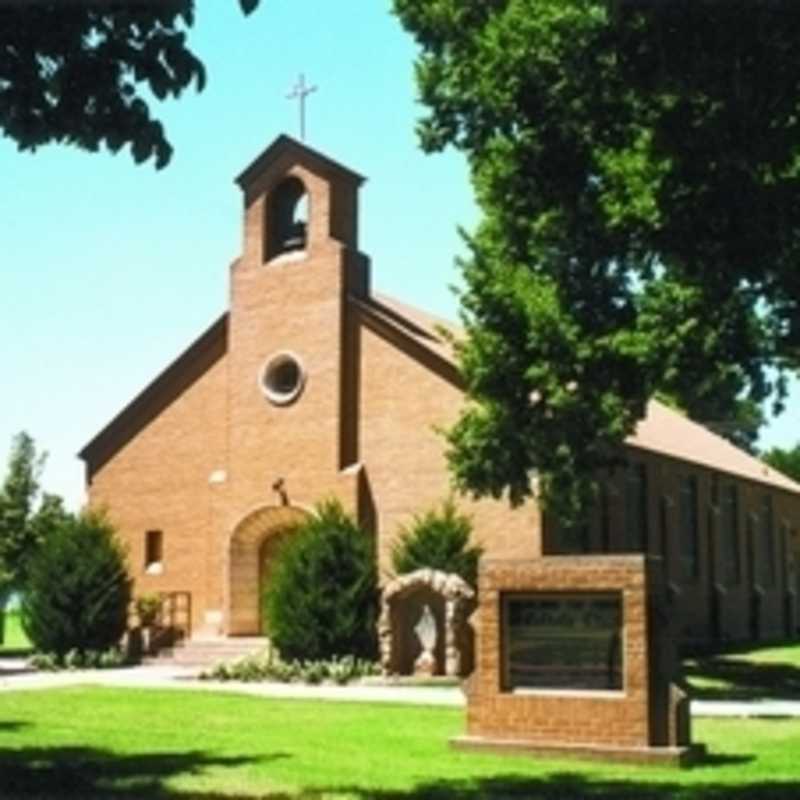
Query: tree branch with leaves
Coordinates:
[637,166]
[80,73]
[26,518]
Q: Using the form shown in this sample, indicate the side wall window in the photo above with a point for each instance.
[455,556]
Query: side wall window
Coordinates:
[784,555]
[665,533]
[605,516]
[689,534]
[767,543]
[754,556]
[636,508]
[575,538]
[154,552]
[732,563]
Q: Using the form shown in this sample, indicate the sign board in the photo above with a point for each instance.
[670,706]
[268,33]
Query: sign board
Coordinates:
[562,641]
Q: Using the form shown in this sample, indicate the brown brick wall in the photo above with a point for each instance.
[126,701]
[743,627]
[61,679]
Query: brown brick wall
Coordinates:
[403,406]
[160,481]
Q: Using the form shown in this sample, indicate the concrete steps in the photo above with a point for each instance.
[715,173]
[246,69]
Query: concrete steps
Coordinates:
[207,652]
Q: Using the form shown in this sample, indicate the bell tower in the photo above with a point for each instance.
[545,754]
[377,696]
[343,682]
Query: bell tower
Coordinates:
[293,338]
[297,200]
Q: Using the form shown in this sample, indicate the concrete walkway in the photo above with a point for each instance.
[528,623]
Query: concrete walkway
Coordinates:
[16,675]
[746,708]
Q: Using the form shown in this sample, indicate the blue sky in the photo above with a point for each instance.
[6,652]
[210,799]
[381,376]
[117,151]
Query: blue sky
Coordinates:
[109,270]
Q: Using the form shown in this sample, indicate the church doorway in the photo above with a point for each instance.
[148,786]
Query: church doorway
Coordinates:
[254,544]
[270,550]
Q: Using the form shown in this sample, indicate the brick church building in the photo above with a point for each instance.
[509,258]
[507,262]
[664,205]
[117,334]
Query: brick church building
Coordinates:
[312,386]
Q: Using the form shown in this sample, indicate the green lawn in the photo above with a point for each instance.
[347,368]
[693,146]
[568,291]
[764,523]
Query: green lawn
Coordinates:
[115,743]
[772,672]
[15,639]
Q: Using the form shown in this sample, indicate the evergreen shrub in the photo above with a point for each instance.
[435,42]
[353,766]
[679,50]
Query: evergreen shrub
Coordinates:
[78,589]
[322,599]
[438,539]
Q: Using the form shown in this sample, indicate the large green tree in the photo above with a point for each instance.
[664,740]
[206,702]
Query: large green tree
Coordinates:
[637,166]
[82,72]
[26,518]
[18,495]
[785,460]
[80,589]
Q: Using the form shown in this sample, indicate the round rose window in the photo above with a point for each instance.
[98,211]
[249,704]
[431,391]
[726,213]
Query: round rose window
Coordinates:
[282,379]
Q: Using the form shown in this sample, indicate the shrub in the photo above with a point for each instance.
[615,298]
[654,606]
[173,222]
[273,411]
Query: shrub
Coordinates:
[438,539]
[321,601]
[266,667]
[74,659]
[148,607]
[46,662]
[78,590]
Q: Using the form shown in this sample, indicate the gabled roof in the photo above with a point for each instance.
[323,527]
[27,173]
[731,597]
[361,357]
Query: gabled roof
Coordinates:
[190,365]
[418,334]
[287,147]
[426,329]
[663,430]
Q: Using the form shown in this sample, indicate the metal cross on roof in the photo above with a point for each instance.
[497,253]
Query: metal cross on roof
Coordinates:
[299,92]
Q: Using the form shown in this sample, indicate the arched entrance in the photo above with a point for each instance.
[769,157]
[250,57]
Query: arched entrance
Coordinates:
[253,545]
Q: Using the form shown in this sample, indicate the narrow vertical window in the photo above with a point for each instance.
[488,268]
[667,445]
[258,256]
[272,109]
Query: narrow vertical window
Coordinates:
[713,531]
[605,517]
[574,538]
[154,552]
[636,508]
[663,525]
[690,545]
[783,555]
[577,537]
[730,535]
[754,557]
[767,542]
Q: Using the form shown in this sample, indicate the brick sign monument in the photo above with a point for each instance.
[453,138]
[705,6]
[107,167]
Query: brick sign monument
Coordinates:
[575,655]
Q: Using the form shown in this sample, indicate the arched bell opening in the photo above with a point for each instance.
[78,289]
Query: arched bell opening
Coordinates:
[286,223]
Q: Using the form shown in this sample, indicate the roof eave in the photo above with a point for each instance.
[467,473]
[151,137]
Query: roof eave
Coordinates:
[285,143]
